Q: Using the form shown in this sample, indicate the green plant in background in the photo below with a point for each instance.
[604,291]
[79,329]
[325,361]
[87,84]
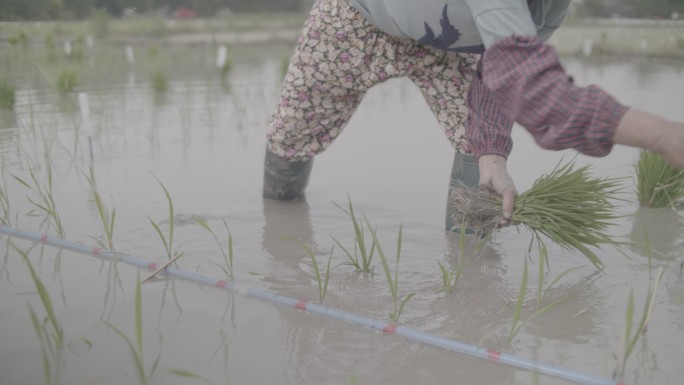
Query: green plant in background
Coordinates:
[658,183]
[99,23]
[227,254]
[160,82]
[393,282]
[19,38]
[52,56]
[153,51]
[50,332]
[225,69]
[106,217]
[49,42]
[7,95]
[322,281]
[360,249]
[136,349]
[67,80]
[45,201]
[76,54]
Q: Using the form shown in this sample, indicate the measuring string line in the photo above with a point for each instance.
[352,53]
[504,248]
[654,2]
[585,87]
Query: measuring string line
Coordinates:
[314,308]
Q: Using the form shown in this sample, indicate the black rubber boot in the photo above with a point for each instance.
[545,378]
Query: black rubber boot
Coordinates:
[464,172]
[285,180]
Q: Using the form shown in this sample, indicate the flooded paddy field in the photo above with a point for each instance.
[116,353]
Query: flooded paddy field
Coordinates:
[170,119]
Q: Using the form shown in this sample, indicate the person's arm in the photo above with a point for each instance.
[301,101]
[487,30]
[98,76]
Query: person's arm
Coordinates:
[488,132]
[643,130]
[530,85]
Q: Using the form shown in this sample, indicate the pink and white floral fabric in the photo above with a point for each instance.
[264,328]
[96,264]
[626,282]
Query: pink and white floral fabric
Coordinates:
[339,56]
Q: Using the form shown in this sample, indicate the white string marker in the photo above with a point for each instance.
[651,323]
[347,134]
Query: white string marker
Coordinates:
[86,122]
[221,56]
[89,41]
[67,47]
[587,47]
[130,58]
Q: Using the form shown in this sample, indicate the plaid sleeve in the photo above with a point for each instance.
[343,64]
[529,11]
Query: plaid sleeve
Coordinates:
[531,87]
[488,130]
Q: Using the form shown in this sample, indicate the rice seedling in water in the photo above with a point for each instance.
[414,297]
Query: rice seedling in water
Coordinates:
[45,202]
[136,349]
[631,336]
[393,282]
[67,80]
[451,276]
[570,207]
[543,266]
[227,255]
[658,183]
[166,240]
[517,323]
[106,217]
[322,281]
[7,95]
[50,332]
[628,340]
[360,249]
[5,205]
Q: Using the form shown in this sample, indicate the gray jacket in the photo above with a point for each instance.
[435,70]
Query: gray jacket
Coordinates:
[464,25]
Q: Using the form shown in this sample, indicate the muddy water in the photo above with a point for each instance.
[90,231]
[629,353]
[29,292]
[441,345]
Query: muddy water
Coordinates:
[204,141]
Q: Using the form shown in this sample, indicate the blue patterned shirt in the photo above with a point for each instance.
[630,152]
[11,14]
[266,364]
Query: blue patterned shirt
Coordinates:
[464,25]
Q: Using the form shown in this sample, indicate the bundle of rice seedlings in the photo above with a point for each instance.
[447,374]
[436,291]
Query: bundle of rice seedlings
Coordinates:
[568,206]
[658,184]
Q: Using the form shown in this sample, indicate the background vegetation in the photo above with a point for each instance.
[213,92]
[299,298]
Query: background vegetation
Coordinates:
[18,10]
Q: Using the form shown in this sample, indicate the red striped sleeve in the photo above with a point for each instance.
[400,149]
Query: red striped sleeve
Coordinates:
[530,85]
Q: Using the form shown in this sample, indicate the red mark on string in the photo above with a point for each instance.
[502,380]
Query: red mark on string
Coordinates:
[390,329]
[301,305]
[493,355]
[221,283]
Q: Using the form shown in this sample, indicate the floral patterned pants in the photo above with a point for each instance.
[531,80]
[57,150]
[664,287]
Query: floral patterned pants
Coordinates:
[339,56]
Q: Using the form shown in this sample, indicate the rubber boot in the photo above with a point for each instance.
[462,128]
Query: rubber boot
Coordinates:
[285,180]
[464,172]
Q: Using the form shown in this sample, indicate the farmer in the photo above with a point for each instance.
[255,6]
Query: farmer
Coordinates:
[480,64]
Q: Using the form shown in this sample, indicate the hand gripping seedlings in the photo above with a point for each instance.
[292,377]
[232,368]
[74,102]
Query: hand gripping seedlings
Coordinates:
[569,206]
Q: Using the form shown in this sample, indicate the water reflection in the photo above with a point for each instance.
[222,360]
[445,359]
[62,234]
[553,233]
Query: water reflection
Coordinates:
[8,125]
[662,229]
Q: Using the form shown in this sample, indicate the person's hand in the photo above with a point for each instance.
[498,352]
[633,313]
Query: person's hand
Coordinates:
[651,132]
[670,144]
[495,178]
